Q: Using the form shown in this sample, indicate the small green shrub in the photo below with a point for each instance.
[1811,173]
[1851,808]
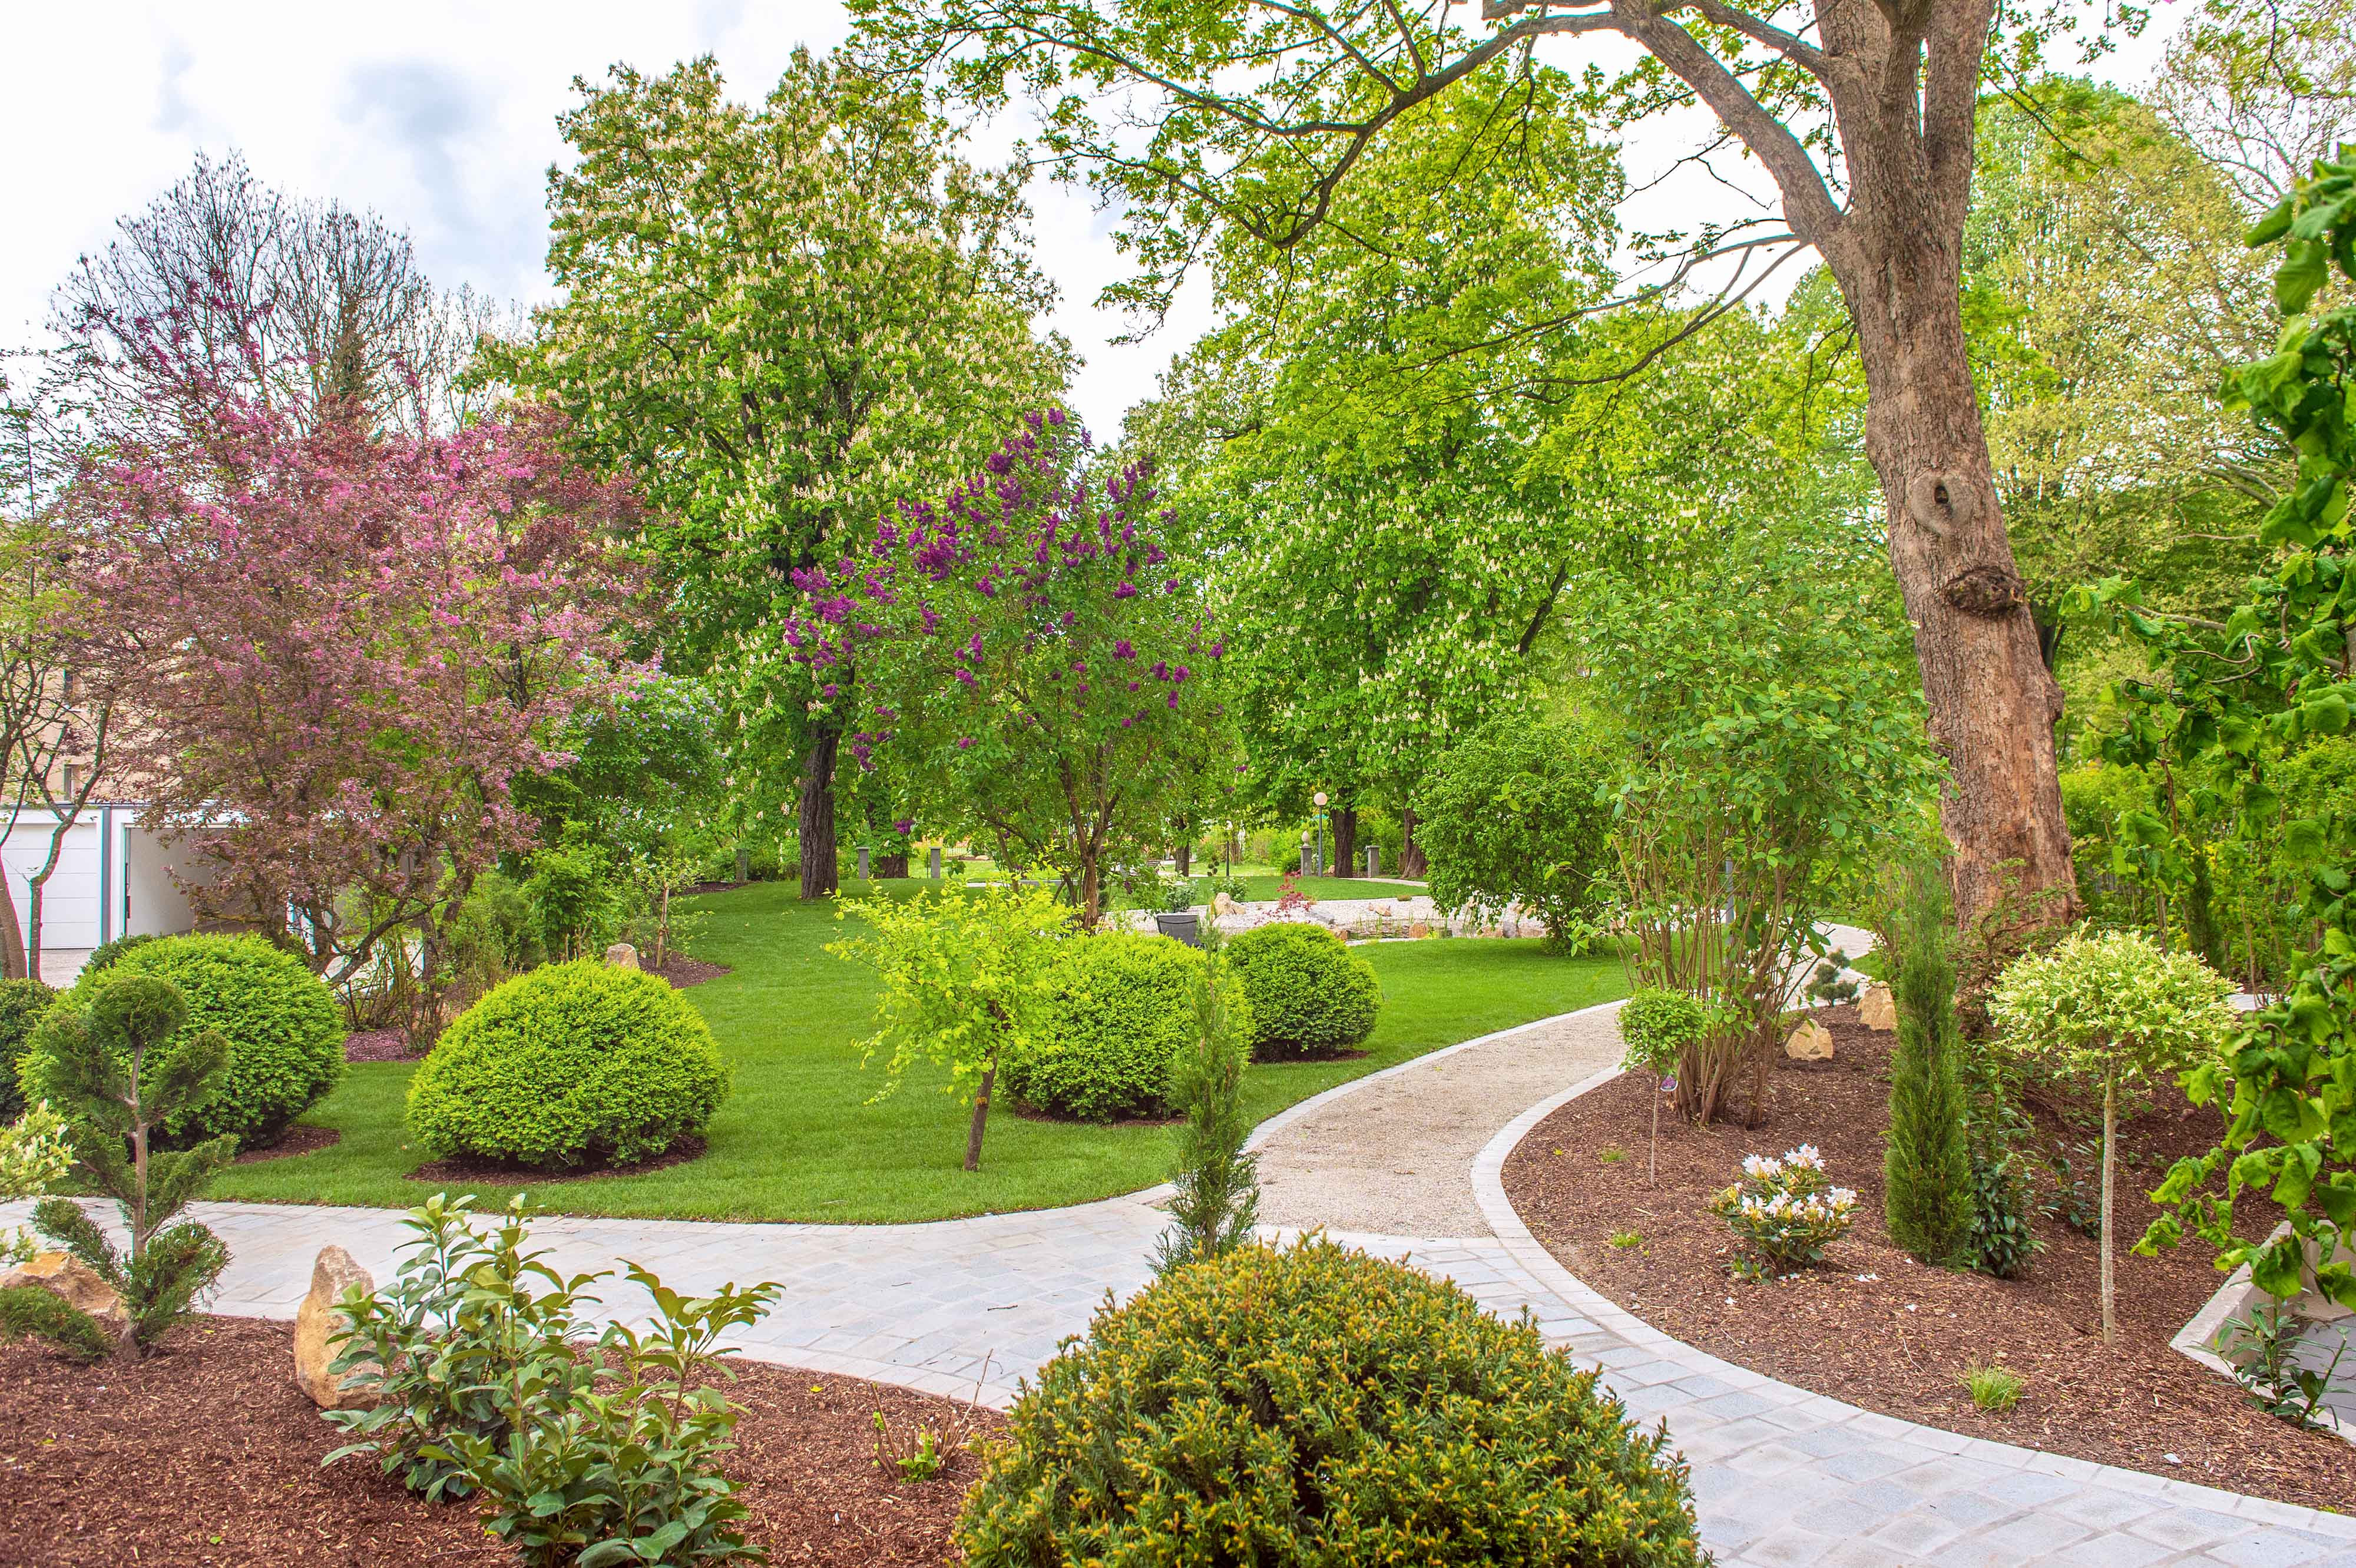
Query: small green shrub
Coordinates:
[22,1003]
[1309,994]
[1118,1010]
[282,1027]
[573,1063]
[106,953]
[1314,1405]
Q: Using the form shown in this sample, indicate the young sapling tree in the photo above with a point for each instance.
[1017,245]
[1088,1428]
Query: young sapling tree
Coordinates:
[963,971]
[2115,1007]
[1659,1027]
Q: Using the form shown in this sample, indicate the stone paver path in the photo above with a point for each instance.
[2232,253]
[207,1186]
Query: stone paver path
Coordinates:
[1405,1163]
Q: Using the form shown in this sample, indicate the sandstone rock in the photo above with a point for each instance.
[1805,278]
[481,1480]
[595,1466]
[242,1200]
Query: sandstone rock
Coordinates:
[1876,1009]
[73,1281]
[1811,1042]
[1418,928]
[331,1276]
[622,955]
[1222,906]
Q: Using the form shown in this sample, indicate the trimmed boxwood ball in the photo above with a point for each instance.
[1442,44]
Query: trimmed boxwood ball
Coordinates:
[1310,995]
[285,1030]
[1318,1406]
[1121,1004]
[570,1064]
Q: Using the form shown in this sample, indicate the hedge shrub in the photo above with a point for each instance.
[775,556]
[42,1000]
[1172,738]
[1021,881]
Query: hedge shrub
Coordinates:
[1119,1007]
[1317,1406]
[22,1003]
[571,1064]
[1310,995]
[284,1030]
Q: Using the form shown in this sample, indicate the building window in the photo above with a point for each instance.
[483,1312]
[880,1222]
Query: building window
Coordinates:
[73,780]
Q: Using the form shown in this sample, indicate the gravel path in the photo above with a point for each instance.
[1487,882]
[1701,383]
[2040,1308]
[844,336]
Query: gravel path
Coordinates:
[1394,1158]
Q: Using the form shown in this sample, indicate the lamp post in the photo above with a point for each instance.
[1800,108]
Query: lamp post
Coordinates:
[1319,800]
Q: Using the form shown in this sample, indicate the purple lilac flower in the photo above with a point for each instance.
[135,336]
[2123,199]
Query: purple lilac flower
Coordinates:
[1126,591]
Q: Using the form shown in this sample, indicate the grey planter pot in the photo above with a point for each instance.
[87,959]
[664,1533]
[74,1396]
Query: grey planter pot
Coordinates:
[1185,927]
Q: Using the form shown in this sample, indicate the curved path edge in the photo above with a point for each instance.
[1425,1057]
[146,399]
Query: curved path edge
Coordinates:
[1785,1475]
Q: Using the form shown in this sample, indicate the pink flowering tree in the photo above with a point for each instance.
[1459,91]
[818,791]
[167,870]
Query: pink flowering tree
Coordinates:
[339,651]
[1026,650]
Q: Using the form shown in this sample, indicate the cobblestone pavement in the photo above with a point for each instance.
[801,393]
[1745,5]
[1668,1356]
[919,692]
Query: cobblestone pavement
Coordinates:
[1781,1477]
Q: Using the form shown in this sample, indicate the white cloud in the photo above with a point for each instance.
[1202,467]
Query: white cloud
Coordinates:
[442,116]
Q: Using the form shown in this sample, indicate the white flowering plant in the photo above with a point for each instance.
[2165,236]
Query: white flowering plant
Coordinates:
[35,1157]
[1784,1212]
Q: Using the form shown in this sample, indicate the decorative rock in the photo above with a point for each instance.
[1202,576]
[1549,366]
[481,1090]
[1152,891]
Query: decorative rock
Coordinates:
[1811,1042]
[73,1281]
[1877,1009]
[1222,906]
[331,1276]
[622,955]
[1418,928]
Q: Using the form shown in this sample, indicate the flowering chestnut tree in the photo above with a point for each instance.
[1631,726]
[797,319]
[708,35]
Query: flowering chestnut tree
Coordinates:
[342,651]
[1026,648]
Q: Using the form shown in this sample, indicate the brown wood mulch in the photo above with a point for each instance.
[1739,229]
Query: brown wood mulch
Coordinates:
[1876,1328]
[476,1168]
[207,1455]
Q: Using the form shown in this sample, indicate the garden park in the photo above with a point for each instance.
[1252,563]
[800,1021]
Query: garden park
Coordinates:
[1561,909]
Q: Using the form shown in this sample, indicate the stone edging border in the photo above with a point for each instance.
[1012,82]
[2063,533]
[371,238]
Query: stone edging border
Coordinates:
[1489,1193]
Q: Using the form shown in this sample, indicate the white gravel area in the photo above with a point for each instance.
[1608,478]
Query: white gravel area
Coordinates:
[1395,1156]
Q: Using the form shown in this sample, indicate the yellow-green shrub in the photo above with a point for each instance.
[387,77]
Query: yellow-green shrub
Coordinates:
[1310,995]
[1117,1009]
[1318,1406]
[571,1063]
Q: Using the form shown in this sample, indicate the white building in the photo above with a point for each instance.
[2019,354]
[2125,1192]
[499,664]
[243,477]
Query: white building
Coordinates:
[113,877]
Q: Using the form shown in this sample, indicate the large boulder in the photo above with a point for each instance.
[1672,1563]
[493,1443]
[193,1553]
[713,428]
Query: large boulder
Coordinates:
[1811,1042]
[332,1275]
[73,1281]
[1877,1009]
[622,955]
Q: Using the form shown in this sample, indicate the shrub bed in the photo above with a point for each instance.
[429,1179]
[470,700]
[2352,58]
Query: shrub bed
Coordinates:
[571,1064]
[1315,1405]
[1118,1009]
[285,1031]
[1310,995]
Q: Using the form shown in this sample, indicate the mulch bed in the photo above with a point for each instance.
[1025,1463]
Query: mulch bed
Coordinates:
[377,1045]
[1876,1328]
[683,971]
[208,1454]
[475,1169]
[299,1139]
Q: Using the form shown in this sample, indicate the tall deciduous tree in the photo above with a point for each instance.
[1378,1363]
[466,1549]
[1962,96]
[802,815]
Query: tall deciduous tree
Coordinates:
[1028,648]
[343,651]
[778,318]
[1256,114]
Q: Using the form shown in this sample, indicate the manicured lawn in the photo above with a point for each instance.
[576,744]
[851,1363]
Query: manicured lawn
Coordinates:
[798,1141]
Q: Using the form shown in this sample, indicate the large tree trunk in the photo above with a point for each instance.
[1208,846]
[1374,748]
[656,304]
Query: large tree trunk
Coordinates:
[893,867]
[1411,865]
[1346,840]
[1993,704]
[818,843]
[11,935]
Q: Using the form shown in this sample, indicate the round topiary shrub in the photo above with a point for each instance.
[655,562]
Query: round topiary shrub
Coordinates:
[284,1030]
[1310,995]
[1120,1007]
[571,1064]
[1318,1406]
[22,1003]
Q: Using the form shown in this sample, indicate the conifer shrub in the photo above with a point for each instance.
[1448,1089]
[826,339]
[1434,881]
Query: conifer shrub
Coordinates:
[1930,1194]
[1309,995]
[282,1027]
[1117,1010]
[571,1064]
[22,1003]
[1314,1405]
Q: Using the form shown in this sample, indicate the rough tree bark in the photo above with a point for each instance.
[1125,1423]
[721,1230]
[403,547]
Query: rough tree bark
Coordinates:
[817,817]
[1411,863]
[1903,79]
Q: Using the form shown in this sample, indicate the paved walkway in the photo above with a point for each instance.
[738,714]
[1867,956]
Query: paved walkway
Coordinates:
[1781,1476]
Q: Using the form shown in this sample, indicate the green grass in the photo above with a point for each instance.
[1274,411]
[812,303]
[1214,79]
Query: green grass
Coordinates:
[797,1140]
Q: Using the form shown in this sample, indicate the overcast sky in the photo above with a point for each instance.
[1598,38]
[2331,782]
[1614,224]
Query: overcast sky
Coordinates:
[442,117]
